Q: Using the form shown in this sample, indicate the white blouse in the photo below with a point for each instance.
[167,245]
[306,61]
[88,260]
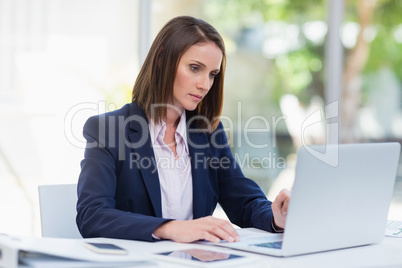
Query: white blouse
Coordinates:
[174,171]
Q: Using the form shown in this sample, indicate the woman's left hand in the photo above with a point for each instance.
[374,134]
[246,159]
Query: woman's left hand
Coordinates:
[280,207]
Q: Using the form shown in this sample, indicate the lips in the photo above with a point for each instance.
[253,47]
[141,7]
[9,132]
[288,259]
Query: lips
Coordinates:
[196,97]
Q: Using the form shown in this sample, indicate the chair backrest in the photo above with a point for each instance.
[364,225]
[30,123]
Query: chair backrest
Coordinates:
[58,210]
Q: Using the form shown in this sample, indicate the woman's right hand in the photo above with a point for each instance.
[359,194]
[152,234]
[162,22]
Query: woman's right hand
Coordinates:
[207,228]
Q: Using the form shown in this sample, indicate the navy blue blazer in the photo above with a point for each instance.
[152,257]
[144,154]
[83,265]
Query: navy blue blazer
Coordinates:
[118,188]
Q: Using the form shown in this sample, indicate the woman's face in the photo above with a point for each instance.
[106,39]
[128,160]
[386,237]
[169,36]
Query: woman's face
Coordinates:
[195,75]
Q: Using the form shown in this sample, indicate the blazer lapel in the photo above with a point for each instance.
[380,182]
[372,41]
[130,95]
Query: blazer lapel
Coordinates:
[199,153]
[140,143]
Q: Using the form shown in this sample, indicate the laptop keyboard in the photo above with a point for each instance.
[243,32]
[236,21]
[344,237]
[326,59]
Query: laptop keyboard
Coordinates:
[277,245]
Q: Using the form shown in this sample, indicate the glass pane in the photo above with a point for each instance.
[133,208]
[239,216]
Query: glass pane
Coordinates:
[61,61]
[372,92]
[275,79]
[275,55]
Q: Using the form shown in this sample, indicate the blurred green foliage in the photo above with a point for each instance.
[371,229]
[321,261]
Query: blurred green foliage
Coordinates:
[301,71]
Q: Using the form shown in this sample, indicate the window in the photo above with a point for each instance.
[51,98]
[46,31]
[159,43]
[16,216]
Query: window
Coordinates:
[61,61]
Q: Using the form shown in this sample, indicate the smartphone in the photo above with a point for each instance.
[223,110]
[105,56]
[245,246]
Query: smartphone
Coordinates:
[105,248]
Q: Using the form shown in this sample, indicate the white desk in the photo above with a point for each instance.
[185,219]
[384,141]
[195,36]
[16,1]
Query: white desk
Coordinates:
[386,254]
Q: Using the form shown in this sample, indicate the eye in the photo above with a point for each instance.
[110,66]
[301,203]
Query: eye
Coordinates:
[213,75]
[194,68]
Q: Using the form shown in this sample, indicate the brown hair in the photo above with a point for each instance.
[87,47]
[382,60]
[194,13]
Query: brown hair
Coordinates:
[154,84]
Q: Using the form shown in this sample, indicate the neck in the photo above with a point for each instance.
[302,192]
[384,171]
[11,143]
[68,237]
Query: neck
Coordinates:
[172,117]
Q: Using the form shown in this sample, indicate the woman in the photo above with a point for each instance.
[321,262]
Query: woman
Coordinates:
[157,167]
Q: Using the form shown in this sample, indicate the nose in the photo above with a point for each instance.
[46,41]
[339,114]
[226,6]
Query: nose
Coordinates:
[205,82]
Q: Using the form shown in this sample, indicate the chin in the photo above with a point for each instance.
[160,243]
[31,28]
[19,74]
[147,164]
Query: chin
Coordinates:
[191,107]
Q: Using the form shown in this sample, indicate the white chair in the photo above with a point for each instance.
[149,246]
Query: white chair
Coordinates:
[58,210]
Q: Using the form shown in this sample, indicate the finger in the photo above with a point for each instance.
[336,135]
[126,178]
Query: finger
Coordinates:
[281,196]
[222,233]
[228,228]
[285,206]
[223,229]
[278,202]
[210,237]
[215,234]
[285,203]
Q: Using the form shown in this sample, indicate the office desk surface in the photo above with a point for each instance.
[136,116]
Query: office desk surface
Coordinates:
[386,254]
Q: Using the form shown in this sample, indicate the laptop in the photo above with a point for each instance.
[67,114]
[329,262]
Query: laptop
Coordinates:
[340,199]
